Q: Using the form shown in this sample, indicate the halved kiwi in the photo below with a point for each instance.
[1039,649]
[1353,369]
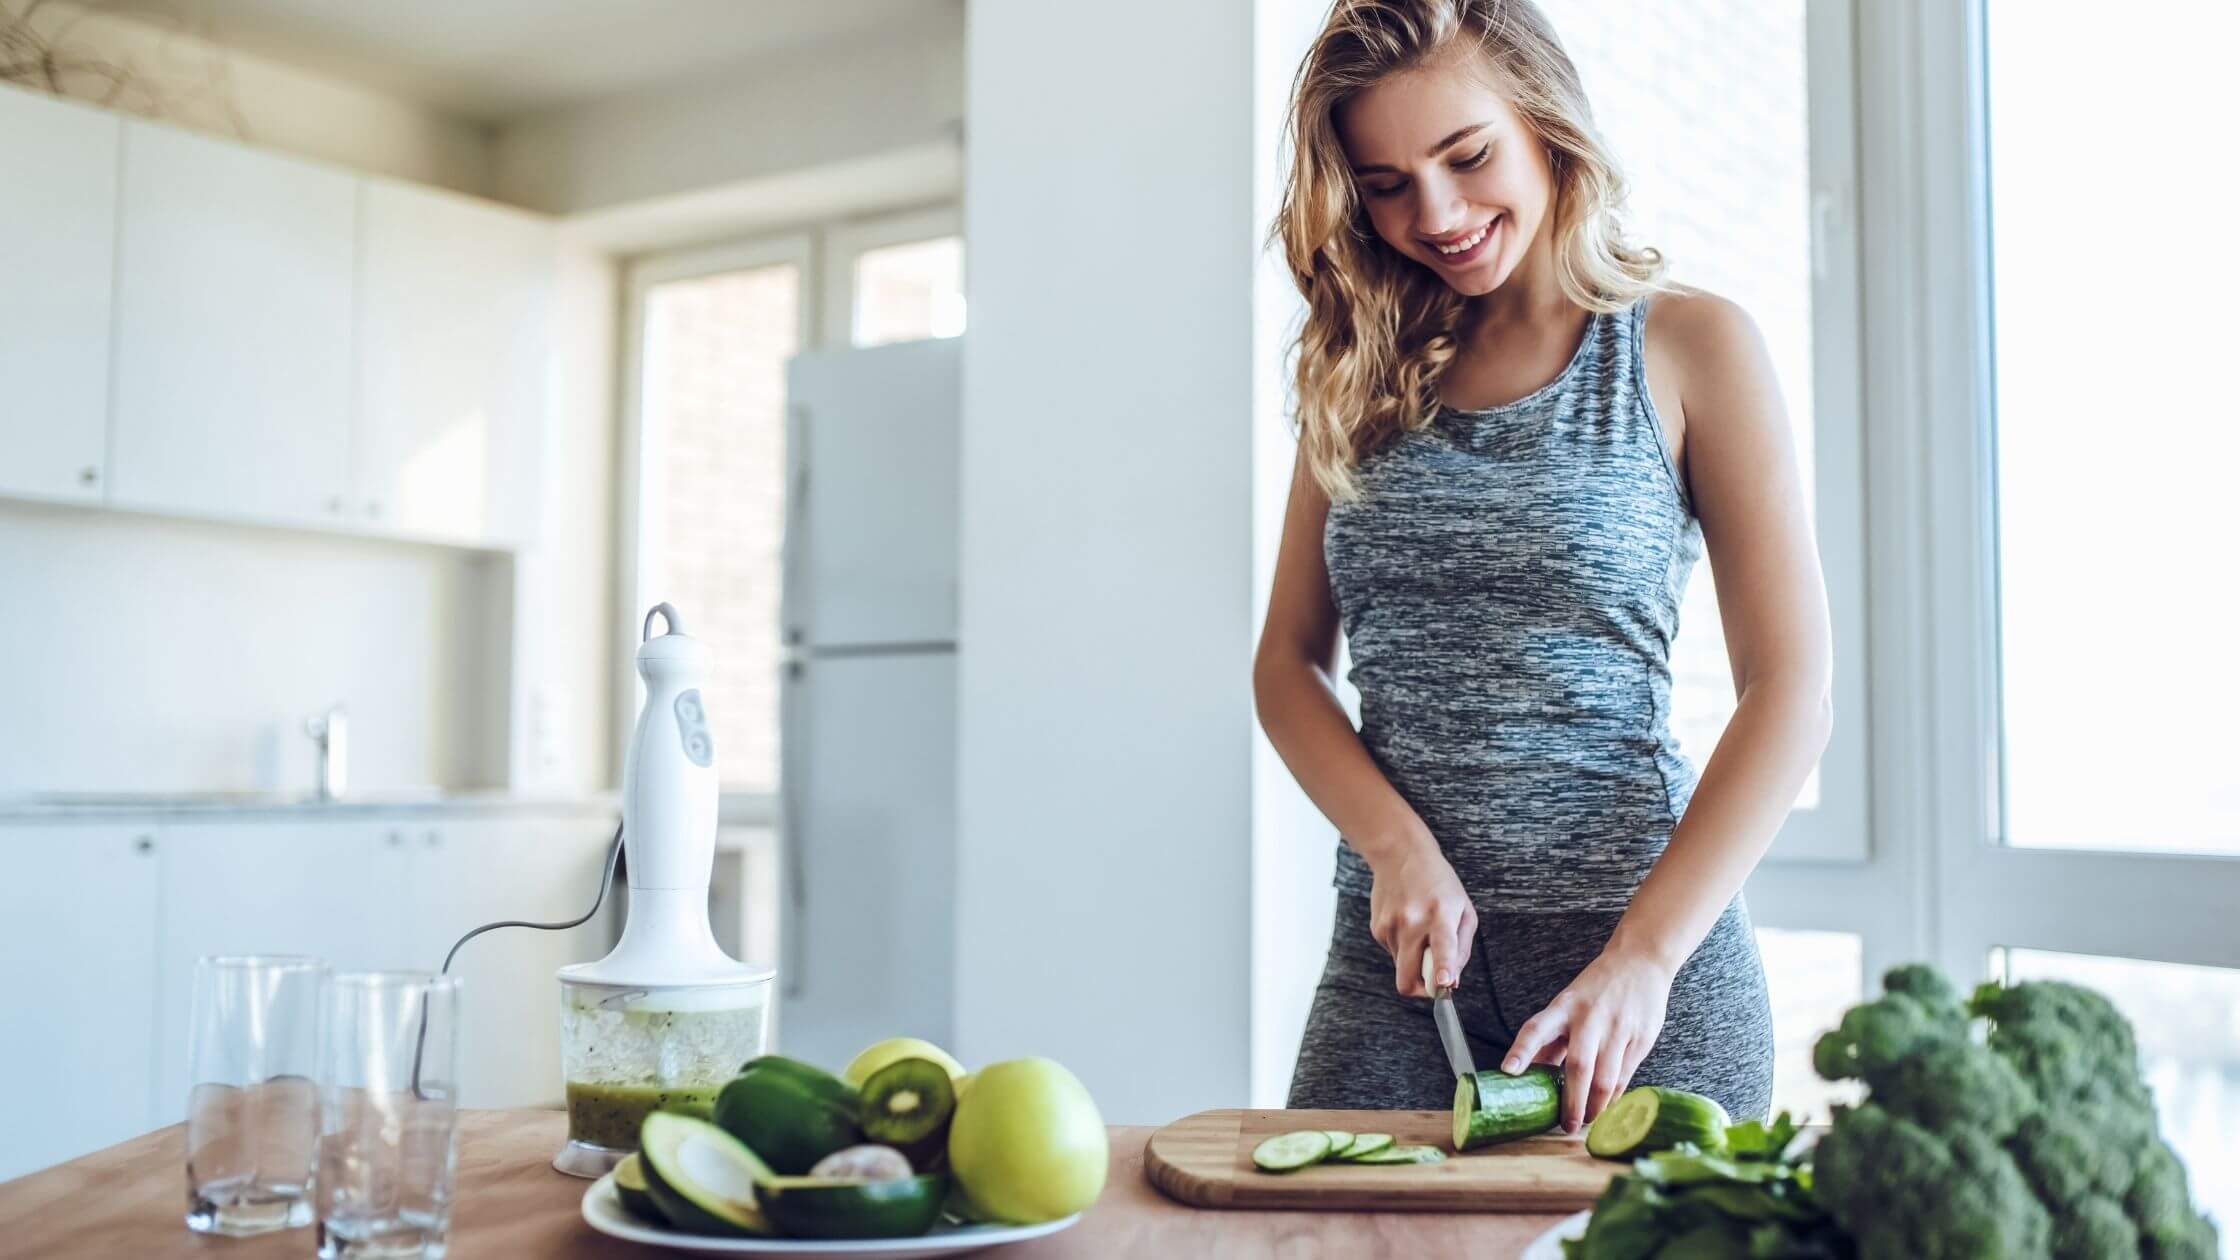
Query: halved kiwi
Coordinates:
[907,1105]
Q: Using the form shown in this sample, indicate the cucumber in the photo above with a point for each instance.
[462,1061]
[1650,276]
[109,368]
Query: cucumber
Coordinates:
[1651,1118]
[630,1187]
[1491,1107]
[1365,1144]
[851,1207]
[789,1113]
[1287,1152]
[702,1178]
[1403,1155]
[1339,1141]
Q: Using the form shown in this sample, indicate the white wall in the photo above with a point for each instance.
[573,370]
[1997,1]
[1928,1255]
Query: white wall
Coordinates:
[279,106]
[1105,724]
[564,657]
[1293,845]
[145,654]
[843,103]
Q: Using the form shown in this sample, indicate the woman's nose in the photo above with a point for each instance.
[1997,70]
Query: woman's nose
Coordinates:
[1440,208]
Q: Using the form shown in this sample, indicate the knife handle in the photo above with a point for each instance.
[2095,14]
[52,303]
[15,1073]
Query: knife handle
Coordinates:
[1434,990]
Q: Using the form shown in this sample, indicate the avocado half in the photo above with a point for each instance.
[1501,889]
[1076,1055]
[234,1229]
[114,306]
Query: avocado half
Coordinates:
[849,1207]
[704,1180]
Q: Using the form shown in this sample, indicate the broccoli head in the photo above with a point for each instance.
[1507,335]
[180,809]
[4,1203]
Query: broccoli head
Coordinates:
[2037,1140]
[1904,1192]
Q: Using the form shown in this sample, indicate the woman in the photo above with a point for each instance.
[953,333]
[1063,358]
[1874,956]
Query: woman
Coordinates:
[1515,440]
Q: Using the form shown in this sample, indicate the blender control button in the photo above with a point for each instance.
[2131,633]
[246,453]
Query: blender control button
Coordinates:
[689,710]
[697,747]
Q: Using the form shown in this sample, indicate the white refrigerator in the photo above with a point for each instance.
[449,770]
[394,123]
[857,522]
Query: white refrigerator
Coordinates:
[867,787]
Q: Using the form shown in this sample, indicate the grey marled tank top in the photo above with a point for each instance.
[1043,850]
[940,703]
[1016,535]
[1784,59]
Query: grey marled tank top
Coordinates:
[1509,583]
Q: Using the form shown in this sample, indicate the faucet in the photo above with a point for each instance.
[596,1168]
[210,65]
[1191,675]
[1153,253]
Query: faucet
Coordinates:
[332,731]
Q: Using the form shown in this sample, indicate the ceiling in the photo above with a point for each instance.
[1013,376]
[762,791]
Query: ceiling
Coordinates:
[495,59]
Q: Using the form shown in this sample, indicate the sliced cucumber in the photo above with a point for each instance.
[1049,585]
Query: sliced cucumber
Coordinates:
[1339,1141]
[1491,1107]
[1403,1155]
[1365,1144]
[1651,1118]
[1288,1152]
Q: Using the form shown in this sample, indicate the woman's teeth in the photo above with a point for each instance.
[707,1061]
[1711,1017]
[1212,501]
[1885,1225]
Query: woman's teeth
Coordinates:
[1468,242]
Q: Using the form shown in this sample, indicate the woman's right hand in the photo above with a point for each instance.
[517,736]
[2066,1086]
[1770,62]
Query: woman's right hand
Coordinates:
[1416,905]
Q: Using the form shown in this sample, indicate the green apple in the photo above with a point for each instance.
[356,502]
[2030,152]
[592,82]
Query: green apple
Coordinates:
[892,1049]
[1027,1144]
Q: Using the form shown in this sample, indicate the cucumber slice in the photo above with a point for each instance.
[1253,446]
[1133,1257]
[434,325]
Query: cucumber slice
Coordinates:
[1339,1141]
[1287,1152]
[703,1179]
[1491,1107]
[1651,1118]
[1365,1144]
[1403,1155]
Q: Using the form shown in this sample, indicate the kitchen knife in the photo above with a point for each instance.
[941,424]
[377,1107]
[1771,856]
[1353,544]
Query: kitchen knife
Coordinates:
[1450,1024]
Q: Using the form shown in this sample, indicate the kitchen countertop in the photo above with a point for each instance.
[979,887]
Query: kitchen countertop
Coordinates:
[128,1200]
[94,806]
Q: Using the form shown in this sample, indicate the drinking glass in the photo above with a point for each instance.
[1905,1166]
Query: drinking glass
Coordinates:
[388,1059]
[252,1114]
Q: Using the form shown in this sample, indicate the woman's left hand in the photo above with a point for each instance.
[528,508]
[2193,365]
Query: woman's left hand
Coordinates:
[1599,1029]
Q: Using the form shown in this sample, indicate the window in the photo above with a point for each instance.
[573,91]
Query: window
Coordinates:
[897,277]
[909,292]
[712,394]
[1728,122]
[1812,978]
[2188,1024]
[2117,436]
[705,503]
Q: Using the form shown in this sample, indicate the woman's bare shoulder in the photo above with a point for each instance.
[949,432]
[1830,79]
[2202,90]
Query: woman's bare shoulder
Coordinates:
[1704,341]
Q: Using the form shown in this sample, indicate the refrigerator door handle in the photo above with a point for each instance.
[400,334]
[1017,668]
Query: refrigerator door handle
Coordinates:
[794,544]
[792,746]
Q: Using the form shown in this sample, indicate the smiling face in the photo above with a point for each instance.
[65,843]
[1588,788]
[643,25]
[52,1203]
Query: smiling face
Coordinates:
[1450,173]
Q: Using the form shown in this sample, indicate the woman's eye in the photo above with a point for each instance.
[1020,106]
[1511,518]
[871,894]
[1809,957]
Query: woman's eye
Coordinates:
[1388,190]
[1476,160]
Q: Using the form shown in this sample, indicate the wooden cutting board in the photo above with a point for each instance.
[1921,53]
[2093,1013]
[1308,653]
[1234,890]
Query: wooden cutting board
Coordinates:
[1205,1161]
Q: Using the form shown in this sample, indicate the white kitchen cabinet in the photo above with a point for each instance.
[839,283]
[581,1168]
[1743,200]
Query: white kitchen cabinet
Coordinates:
[58,215]
[78,928]
[331,888]
[451,363]
[464,873]
[233,330]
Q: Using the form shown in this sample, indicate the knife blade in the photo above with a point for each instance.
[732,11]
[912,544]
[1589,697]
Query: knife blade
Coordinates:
[1449,1023]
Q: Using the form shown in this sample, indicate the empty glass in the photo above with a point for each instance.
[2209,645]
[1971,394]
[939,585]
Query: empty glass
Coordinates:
[252,1115]
[388,1055]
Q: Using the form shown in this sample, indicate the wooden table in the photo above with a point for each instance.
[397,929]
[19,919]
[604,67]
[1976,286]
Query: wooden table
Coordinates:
[128,1201]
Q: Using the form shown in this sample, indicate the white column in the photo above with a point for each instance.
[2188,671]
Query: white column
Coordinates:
[1105,722]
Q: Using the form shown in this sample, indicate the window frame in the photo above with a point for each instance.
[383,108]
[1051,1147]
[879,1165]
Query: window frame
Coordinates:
[1939,883]
[638,546]
[849,239]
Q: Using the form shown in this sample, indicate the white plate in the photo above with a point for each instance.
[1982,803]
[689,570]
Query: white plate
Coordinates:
[1549,1246]
[603,1211]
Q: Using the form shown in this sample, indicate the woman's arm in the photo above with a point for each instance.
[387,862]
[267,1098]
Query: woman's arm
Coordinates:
[1418,904]
[1743,476]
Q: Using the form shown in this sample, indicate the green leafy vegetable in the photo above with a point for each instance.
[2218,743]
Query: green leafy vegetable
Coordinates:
[1750,1198]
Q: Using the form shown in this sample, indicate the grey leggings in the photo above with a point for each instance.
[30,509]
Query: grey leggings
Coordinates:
[1368,1047]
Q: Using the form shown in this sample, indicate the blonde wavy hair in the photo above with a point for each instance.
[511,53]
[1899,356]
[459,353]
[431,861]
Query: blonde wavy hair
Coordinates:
[1380,327]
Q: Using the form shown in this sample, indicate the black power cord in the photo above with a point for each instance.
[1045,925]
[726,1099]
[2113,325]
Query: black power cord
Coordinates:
[606,881]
